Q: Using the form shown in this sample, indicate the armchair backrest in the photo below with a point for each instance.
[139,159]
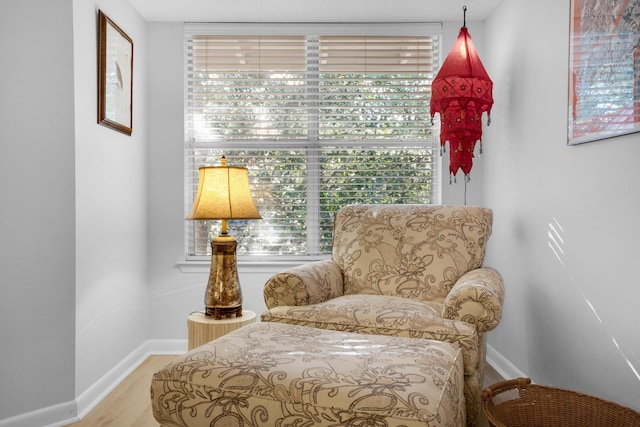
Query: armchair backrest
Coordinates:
[413,251]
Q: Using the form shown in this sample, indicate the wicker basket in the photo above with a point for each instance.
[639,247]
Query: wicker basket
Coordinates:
[518,403]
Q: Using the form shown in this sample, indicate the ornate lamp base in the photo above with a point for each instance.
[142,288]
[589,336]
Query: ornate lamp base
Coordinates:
[220,312]
[223,297]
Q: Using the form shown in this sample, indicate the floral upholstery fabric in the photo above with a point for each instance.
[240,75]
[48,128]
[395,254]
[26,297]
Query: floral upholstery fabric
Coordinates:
[403,270]
[273,374]
[477,299]
[304,285]
[384,315]
[413,251]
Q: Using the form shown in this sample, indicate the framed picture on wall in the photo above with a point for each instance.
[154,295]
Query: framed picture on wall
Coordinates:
[115,76]
[604,69]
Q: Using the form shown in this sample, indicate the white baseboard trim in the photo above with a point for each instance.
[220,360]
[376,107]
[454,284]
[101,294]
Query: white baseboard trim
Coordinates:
[502,365]
[90,398]
[42,416]
[69,412]
[166,347]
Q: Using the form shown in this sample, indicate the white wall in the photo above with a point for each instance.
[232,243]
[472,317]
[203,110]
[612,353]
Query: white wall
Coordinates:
[176,292]
[566,217]
[73,277]
[37,206]
[111,206]
[172,295]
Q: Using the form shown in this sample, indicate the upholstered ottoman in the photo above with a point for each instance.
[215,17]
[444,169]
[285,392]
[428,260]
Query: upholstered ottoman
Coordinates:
[274,374]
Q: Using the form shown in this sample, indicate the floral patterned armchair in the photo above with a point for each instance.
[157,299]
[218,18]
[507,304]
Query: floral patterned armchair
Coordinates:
[402,270]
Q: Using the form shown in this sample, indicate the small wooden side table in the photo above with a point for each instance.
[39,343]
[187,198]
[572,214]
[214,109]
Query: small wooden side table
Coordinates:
[203,329]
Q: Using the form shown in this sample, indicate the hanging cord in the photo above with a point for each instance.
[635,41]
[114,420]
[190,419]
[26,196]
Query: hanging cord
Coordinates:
[466,179]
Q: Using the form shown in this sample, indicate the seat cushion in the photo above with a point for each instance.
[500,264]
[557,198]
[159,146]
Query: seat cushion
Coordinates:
[271,374]
[383,315]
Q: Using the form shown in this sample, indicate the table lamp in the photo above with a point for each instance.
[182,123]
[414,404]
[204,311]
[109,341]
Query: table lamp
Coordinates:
[223,193]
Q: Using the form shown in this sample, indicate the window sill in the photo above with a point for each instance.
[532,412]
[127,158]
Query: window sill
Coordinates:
[251,264]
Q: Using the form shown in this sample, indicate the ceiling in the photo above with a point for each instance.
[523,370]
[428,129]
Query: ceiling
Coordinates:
[313,11]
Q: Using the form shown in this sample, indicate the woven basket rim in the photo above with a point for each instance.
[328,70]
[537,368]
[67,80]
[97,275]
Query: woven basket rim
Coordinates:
[535,398]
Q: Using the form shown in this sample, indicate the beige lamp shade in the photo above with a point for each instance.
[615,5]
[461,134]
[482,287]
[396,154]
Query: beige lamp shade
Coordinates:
[223,193]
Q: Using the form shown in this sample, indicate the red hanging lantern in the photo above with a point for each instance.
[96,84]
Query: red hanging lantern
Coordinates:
[461,92]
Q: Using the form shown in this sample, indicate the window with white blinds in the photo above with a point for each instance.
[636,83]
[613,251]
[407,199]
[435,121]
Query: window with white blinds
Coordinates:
[322,116]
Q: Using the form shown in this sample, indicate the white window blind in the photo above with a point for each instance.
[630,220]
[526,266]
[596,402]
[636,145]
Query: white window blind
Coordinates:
[321,119]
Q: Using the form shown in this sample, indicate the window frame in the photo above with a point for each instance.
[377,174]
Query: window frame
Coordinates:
[310,30]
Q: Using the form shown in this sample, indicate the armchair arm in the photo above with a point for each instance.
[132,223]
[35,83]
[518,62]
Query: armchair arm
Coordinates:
[306,284]
[476,298]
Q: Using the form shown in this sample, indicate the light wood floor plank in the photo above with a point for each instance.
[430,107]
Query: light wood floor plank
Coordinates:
[129,404]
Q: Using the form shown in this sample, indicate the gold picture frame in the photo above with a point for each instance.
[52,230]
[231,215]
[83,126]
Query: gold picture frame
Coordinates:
[115,76]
